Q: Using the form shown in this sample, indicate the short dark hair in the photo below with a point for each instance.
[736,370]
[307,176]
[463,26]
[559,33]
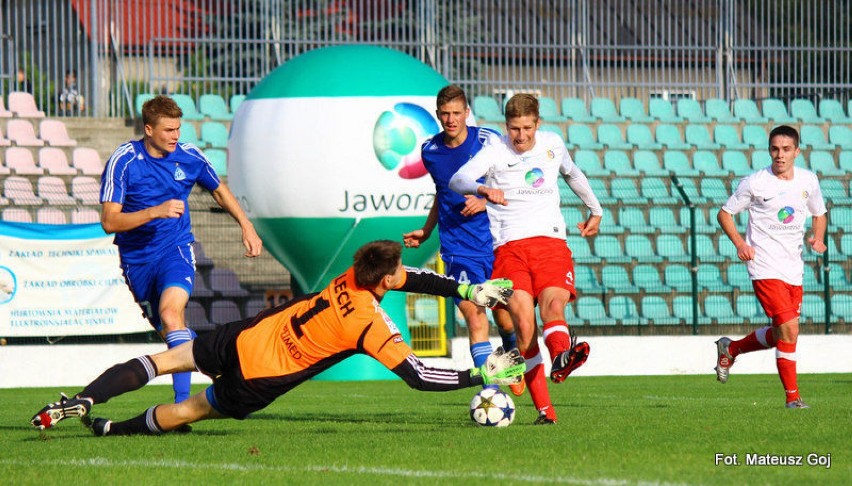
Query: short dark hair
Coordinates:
[522,104]
[375,260]
[450,93]
[785,131]
[159,107]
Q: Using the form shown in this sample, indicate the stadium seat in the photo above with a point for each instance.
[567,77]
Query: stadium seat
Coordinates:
[702,225]
[609,225]
[86,189]
[738,277]
[727,249]
[736,163]
[663,111]
[426,311]
[813,137]
[640,136]
[647,278]
[604,110]
[813,308]
[670,248]
[691,111]
[200,290]
[749,308]
[214,134]
[549,111]
[623,310]
[572,215]
[484,107]
[4,142]
[804,111]
[225,283]
[715,190]
[706,249]
[586,281]
[841,136]
[611,138]
[663,219]
[747,111]
[589,162]
[837,279]
[678,162]
[669,136]
[720,111]
[581,137]
[54,161]
[634,110]
[657,311]
[591,310]
[845,241]
[626,191]
[237,100]
[255,307]
[575,109]
[202,261]
[640,249]
[755,136]
[87,161]
[832,110]
[187,106]
[648,163]
[581,251]
[23,105]
[214,107]
[3,171]
[609,248]
[224,312]
[20,161]
[219,160]
[22,133]
[833,190]
[141,98]
[845,160]
[53,190]
[682,308]
[19,190]
[691,190]
[822,163]
[727,137]
[710,278]
[188,133]
[719,308]
[4,113]
[705,162]
[776,111]
[17,215]
[760,159]
[51,216]
[550,127]
[632,218]
[615,278]
[196,317]
[618,162]
[55,134]
[841,308]
[699,137]
[85,216]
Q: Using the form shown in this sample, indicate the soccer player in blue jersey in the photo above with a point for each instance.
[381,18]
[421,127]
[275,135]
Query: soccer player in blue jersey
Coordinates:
[145,189]
[463,226]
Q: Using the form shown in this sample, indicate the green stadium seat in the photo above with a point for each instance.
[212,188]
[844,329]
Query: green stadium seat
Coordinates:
[678,162]
[804,111]
[647,278]
[714,190]
[214,134]
[755,136]
[682,308]
[639,248]
[611,138]
[586,281]
[581,136]
[710,278]
[822,163]
[678,277]
[706,250]
[801,161]
[235,102]
[615,278]
[845,240]
[834,190]
[832,110]
[844,160]
[670,137]
[691,111]
[813,137]
[760,159]
[549,111]
[581,251]
[691,190]
[663,111]
[572,215]
[214,107]
[776,111]
[748,307]
[699,137]
[634,110]
[633,219]
[720,111]
[736,162]
[747,111]
[604,110]
[647,163]
[609,248]
[738,276]
[188,133]
[657,190]
[590,163]
[663,219]
[575,109]
[591,310]
[719,308]
[841,307]
[549,127]
[727,249]
[623,310]
[640,136]
[187,106]
[840,217]
[841,136]
[625,190]
[727,137]
[657,311]
[813,308]
[219,160]
[601,191]
[707,164]
[837,281]
[141,98]
[702,225]
[610,225]
[486,108]
[618,162]
[671,249]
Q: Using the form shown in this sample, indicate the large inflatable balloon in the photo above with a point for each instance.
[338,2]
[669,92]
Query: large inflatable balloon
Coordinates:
[324,156]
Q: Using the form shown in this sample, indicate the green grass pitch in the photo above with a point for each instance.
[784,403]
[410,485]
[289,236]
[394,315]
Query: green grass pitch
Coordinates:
[611,431]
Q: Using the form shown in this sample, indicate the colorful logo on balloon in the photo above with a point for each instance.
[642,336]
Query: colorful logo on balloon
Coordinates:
[398,135]
[785,215]
[535,177]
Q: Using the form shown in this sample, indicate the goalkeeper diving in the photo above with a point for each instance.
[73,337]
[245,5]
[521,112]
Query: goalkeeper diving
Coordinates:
[254,361]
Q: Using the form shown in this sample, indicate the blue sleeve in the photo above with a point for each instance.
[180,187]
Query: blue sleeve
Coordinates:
[207,177]
[113,179]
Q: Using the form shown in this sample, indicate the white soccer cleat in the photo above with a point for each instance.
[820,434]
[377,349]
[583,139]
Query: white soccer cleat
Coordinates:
[724,360]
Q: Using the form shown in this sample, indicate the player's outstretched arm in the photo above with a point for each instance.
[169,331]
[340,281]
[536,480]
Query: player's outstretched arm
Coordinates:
[486,294]
[413,239]
[226,200]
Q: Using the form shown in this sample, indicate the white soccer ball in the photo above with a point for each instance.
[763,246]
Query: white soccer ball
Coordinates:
[492,408]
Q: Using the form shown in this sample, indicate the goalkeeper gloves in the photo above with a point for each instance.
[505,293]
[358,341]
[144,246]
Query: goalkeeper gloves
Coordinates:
[501,368]
[488,293]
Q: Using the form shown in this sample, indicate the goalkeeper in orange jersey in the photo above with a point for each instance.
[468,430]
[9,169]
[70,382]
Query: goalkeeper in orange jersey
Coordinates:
[256,360]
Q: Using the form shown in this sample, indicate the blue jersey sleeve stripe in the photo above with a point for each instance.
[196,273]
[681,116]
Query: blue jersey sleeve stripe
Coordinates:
[108,180]
[196,152]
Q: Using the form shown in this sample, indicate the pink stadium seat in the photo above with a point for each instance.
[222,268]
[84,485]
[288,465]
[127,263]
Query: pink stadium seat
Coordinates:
[52,189]
[54,161]
[51,216]
[23,104]
[21,161]
[86,189]
[4,142]
[3,169]
[85,216]
[20,191]
[4,113]
[87,161]
[22,133]
[17,215]
[55,134]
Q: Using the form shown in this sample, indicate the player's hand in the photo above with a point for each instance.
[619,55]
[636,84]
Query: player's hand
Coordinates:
[746,252]
[413,239]
[502,368]
[590,227]
[173,208]
[251,241]
[488,293]
[494,196]
[473,205]
[817,245]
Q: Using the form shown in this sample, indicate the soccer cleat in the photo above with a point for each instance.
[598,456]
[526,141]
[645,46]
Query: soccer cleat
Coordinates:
[568,361]
[101,426]
[724,360]
[518,388]
[797,403]
[543,419]
[58,411]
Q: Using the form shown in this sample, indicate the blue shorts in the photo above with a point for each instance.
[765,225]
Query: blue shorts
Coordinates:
[468,270]
[147,281]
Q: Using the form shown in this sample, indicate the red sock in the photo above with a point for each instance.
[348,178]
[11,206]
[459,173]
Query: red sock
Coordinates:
[537,383]
[557,338]
[785,358]
[756,341]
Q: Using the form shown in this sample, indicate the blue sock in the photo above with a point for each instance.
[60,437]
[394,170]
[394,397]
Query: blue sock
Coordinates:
[509,341]
[479,352]
[180,381]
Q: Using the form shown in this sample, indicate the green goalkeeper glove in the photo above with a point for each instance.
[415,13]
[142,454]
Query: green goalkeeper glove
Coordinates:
[502,368]
[488,293]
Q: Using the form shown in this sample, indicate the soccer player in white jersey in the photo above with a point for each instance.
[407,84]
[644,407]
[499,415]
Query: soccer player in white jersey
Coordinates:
[528,230]
[779,200]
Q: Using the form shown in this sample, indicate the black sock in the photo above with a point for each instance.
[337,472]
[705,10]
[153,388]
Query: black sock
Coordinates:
[146,423]
[121,378]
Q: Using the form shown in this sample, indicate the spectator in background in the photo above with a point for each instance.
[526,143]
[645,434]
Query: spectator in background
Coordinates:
[71,102]
[22,82]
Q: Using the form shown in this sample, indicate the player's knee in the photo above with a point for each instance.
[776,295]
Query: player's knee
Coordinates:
[171,319]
